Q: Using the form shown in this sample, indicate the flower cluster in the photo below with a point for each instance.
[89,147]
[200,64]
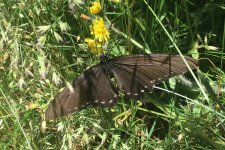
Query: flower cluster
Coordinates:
[98,30]
[94,45]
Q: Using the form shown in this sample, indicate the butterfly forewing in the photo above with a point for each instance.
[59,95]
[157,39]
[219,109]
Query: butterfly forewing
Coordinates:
[139,74]
[93,87]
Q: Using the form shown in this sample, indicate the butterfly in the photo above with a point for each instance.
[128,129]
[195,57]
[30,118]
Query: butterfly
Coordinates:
[133,74]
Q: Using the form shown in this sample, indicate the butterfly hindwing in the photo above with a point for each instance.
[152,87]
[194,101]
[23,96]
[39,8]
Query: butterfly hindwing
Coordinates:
[105,95]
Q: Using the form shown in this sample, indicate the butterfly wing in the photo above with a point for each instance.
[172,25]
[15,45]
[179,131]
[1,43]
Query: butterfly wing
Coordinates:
[136,74]
[93,87]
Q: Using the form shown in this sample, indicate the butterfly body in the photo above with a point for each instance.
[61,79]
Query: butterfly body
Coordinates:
[134,75]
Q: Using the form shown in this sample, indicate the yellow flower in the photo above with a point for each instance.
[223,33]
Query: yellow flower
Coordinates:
[94,45]
[95,8]
[99,30]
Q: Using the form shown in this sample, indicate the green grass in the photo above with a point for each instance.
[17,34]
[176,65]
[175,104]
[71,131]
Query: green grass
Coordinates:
[42,45]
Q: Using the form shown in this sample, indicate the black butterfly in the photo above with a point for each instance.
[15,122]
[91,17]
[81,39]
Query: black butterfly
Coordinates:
[133,74]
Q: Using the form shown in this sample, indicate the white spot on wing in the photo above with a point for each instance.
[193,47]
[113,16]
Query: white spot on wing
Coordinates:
[142,91]
[152,81]
[96,101]
[128,93]
[136,94]
[110,101]
[102,102]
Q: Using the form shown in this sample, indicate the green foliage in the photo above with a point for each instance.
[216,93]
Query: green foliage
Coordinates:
[42,48]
